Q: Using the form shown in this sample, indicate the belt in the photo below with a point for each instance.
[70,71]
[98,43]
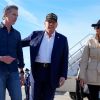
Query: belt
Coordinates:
[45,65]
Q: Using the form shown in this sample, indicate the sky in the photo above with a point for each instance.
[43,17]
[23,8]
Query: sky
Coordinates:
[74,18]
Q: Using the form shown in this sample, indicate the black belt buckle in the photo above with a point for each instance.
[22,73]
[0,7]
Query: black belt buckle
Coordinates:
[45,65]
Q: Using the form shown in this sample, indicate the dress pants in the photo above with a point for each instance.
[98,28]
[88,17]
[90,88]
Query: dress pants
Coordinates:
[94,92]
[42,84]
[79,91]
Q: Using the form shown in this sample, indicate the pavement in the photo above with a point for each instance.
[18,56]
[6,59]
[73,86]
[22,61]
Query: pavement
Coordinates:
[58,96]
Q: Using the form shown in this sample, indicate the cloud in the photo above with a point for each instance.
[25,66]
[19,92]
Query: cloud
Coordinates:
[28,16]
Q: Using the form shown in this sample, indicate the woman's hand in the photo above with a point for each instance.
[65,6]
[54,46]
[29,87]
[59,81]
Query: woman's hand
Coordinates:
[82,82]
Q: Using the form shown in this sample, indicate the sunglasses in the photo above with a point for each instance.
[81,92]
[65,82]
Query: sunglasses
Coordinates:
[97,27]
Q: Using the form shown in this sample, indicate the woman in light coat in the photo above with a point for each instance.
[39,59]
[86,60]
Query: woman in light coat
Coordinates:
[90,64]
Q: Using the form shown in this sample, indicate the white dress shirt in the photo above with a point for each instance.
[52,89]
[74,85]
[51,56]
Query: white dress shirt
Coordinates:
[45,51]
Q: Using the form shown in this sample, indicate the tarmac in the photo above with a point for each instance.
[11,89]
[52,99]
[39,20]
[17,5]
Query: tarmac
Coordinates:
[58,96]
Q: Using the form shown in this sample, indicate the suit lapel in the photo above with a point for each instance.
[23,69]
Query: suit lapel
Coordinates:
[55,45]
[41,38]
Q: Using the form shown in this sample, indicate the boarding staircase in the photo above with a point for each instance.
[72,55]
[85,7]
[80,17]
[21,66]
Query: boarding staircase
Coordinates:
[75,54]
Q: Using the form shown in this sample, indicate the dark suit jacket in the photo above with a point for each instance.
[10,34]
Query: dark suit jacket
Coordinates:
[59,57]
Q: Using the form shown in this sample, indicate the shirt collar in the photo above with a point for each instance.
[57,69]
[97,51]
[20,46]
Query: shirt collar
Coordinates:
[2,25]
[52,35]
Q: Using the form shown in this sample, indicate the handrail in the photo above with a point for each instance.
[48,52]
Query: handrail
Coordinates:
[79,49]
[81,40]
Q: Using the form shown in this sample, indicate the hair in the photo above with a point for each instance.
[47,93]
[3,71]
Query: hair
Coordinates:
[8,8]
[97,36]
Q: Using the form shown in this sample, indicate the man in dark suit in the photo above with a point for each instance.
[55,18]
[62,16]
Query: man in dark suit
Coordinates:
[49,59]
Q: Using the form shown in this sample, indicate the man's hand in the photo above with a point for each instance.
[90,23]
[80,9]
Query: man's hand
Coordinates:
[61,81]
[22,80]
[21,73]
[7,59]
